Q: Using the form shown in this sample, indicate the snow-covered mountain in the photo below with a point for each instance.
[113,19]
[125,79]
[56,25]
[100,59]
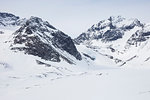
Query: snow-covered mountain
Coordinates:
[7,19]
[34,48]
[116,41]
[109,30]
[124,41]
[38,61]
[39,38]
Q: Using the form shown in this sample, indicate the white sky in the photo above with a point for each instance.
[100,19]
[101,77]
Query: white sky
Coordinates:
[75,16]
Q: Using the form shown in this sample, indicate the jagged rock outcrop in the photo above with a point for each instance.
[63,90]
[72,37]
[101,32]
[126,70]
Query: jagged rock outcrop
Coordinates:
[108,30]
[119,39]
[7,19]
[39,38]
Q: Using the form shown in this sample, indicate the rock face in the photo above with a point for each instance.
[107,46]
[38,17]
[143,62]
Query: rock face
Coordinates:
[64,42]
[119,39]
[39,38]
[7,19]
[108,30]
[137,38]
[116,39]
[1,32]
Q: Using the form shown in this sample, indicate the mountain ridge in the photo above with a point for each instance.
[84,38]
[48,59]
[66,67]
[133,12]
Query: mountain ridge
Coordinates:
[117,38]
[37,37]
[111,60]
[113,38]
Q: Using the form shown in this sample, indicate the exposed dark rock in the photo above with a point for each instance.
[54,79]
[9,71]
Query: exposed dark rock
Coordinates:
[7,19]
[107,30]
[88,56]
[42,63]
[6,15]
[112,49]
[138,37]
[145,33]
[112,35]
[1,32]
[65,42]
[131,58]
[34,46]
[41,39]
[147,59]
[81,38]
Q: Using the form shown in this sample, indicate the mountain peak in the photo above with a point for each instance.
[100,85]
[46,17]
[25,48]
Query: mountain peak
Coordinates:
[39,23]
[109,30]
[8,19]
[41,39]
[35,19]
[8,15]
[116,18]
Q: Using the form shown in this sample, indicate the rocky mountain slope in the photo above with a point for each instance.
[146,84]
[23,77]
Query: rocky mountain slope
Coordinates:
[119,39]
[116,41]
[37,37]
[38,61]
[34,48]
[8,19]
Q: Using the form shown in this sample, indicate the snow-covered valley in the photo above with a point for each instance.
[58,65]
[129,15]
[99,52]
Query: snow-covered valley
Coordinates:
[105,84]
[39,62]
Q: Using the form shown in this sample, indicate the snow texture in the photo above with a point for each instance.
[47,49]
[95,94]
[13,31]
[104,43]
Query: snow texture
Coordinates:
[109,70]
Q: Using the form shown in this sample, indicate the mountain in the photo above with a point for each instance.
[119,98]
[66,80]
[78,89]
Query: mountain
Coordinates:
[31,48]
[109,30]
[116,41]
[8,19]
[109,61]
[124,41]
[39,38]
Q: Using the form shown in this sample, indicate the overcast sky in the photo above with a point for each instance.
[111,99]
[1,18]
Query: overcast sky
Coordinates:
[75,16]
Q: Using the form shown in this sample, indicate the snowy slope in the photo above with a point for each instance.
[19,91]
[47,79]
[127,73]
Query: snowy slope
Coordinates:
[114,84]
[124,41]
[14,66]
[26,75]
[18,64]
